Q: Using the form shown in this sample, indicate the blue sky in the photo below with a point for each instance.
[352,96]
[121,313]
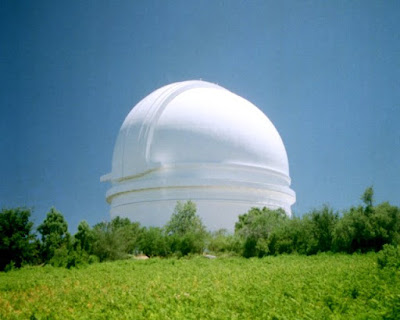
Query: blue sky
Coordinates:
[327,74]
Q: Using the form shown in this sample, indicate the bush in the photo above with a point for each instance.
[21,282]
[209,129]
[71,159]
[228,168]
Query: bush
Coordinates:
[115,240]
[221,241]
[389,257]
[10,267]
[70,257]
[153,242]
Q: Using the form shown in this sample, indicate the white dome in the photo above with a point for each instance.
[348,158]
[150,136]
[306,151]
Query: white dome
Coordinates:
[195,140]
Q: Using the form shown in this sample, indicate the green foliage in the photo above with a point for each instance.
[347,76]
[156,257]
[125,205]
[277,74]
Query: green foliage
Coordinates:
[69,257]
[311,234]
[367,228]
[258,233]
[185,230]
[184,220]
[108,242]
[131,233]
[153,242]
[389,257]
[386,221]
[221,241]
[17,242]
[84,238]
[322,230]
[368,197]
[255,228]
[10,266]
[116,239]
[54,232]
[293,236]
[322,286]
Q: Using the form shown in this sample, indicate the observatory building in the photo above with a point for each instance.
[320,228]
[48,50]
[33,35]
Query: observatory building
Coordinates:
[195,140]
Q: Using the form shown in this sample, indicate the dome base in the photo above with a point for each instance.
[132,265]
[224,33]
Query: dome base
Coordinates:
[218,207]
[214,214]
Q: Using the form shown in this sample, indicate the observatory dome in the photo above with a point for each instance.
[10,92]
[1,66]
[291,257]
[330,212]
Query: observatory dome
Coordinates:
[195,140]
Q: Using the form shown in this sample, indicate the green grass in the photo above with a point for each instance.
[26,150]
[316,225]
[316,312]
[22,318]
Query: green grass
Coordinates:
[285,287]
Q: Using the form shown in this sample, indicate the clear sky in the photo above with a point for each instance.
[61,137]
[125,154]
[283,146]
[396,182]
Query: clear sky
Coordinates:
[326,73]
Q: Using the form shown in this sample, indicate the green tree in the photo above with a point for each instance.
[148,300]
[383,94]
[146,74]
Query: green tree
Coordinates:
[84,238]
[54,232]
[368,197]
[153,242]
[255,228]
[17,241]
[323,225]
[116,239]
[129,231]
[108,244]
[184,219]
[293,235]
[386,224]
[355,230]
[369,227]
[185,230]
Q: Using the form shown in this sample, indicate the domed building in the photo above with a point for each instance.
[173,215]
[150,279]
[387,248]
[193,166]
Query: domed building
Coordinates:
[195,140]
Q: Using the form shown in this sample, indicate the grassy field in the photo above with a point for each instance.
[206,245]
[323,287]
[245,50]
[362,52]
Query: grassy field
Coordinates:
[284,287]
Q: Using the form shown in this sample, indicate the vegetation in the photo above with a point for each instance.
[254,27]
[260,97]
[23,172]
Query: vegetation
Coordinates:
[185,230]
[360,229]
[258,233]
[17,244]
[334,269]
[54,231]
[323,286]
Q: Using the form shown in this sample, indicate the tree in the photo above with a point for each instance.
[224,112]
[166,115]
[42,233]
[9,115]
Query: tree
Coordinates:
[386,223]
[17,242]
[108,244]
[84,237]
[293,235]
[153,242]
[54,231]
[255,228]
[129,231]
[368,196]
[116,239]
[323,225]
[185,230]
[368,228]
[184,219]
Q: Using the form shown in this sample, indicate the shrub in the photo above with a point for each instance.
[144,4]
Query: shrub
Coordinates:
[221,241]
[389,257]
[153,242]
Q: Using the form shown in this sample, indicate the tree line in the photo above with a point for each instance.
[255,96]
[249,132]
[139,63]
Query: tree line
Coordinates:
[258,233]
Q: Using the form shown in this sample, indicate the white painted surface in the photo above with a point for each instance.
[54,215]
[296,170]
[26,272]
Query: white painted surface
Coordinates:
[197,141]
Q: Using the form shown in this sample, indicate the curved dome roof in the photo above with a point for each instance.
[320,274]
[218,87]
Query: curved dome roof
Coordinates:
[195,140]
[196,122]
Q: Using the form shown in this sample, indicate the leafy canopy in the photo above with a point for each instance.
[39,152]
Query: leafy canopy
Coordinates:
[16,237]
[184,220]
[54,232]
